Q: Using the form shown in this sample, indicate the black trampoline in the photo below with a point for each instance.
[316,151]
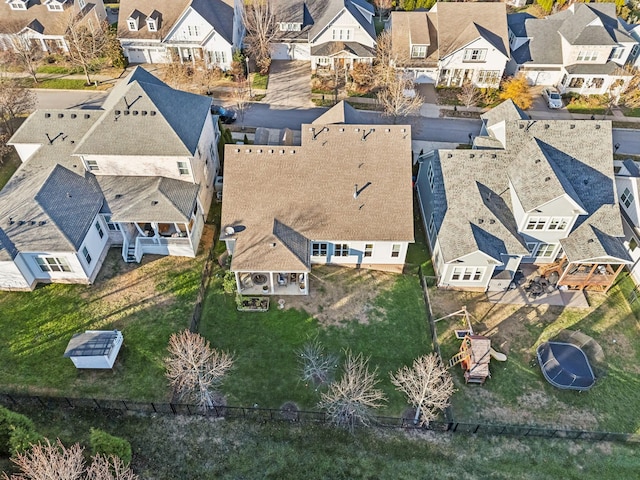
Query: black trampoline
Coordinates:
[565,366]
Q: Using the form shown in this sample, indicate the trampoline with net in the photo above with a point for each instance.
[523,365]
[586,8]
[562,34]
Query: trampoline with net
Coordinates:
[565,366]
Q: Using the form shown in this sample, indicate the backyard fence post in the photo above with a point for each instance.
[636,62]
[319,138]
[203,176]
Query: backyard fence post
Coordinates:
[124,404]
[154,408]
[68,402]
[173,409]
[97,404]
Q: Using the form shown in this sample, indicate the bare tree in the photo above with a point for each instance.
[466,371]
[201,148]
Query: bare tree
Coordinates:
[25,52]
[469,95]
[349,400]
[15,100]
[109,468]
[4,148]
[49,462]
[427,385]
[317,366]
[261,30]
[396,94]
[630,97]
[194,369]
[88,41]
[398,97]
[382,6]
[240,98]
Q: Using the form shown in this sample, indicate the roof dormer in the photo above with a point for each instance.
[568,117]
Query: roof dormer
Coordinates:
[55,5]
[133,22]
[18,4]
[153,21]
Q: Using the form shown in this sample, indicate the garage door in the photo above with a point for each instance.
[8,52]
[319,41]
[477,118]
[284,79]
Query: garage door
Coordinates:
[425,75]
[548,78]
[300,52]
[136,55]
[158,55]
[280,51]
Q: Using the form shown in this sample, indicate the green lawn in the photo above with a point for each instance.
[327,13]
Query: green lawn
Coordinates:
[517,391]
[63,84]
[146,302]
[631,112]
[58,69]
[266,370]
[167,448]
[259,81]
[586,110]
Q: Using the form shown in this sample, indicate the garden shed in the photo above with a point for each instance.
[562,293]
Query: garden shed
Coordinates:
[94,348]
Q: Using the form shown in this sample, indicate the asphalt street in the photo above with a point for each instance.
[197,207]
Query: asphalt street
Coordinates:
[264,115]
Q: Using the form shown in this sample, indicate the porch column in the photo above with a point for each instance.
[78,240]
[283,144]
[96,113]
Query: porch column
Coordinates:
[139,229]
[586,281]
[44,45]
[238,285]
[271,289]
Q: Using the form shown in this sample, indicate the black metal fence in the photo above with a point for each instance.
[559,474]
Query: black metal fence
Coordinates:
[264,415]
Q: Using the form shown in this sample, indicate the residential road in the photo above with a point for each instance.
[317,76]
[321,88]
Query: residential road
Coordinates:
[260,114]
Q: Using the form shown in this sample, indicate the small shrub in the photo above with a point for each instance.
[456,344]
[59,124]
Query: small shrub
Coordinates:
[106,444]
[15,429]
[229,282]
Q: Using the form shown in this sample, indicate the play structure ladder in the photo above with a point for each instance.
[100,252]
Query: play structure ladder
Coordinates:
[458,357]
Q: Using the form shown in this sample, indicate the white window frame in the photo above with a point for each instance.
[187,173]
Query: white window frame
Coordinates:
[475,54]
[536,223]
[488,77]
[587,56]
[99,229]
[368,249]
[53,264]
[558,223]
[82,4]
[86,255]
[467,274]
[319,249]
[418,51]
[151,25]
[132,24]
[341,250]
[92,165]
[342,34]
[112,226]
[289,27]
[192,30]
[634,50]
[617,53]
[54,7]
[183,168]
[18,6]
[545,250]
[395,250]
[626,198]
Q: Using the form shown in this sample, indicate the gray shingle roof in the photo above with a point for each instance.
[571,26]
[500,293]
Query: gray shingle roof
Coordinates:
[284,196]
[36,213]
[148,119]
[472,187]
[354,48]
[148,199]
[609,68]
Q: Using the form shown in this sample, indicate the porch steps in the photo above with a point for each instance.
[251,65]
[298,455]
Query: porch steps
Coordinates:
[131,254]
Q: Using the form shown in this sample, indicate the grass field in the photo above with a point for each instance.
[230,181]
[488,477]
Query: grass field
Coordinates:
[168,448]
[517,391]
[146,302]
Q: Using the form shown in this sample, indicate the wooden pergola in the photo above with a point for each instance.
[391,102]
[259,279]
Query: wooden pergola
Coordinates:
[597,274]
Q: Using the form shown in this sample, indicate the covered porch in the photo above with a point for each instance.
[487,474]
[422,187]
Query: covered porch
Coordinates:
[340,56]
[596,276]
[272,283]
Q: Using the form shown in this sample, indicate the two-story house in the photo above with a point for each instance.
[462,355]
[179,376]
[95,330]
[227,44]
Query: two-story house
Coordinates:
[138,173]
[342,197]
[43,23]
[185,31]
[452,43]
[627,176]
[582,49]
[530,191]
[327,32]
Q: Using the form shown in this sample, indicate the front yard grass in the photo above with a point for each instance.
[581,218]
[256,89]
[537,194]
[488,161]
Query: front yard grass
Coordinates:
[259,81]
[147,302]
[518,393]
[393,332]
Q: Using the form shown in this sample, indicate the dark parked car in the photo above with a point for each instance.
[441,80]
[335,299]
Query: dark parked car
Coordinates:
[226,114]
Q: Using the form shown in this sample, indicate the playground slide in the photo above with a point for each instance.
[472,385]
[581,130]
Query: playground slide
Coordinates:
[501,357]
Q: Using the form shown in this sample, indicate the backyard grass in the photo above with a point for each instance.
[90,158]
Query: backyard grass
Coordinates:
[147,302]
[266,368]
[167,447]
[517,392]
[63,84]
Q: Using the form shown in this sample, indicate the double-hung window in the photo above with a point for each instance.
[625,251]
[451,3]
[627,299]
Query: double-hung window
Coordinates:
[341,250]
[319,249]
[368,249]
[99,229]
[419,51]
[475,54]
[183,168]
[395,250]
[86,255]
[53,264]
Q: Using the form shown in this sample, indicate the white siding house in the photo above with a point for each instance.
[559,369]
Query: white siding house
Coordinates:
[137,173]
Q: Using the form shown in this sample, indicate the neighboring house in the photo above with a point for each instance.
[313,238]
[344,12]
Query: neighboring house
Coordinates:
[43,23]
[628,189]
[530,191]
[185,31]
[582,49]
[342,197]
[633,29]
[329,33]
[453,43]
[136,173]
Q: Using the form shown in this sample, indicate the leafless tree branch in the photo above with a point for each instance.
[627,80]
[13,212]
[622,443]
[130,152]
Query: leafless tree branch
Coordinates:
[427,385]
[49,462]
[261,31]
[194,369]
[317,366]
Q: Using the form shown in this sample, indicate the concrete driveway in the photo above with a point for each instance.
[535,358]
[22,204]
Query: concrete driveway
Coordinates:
[289,84]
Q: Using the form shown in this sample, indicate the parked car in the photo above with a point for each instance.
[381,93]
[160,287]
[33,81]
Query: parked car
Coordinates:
[553,98]
[226,115]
